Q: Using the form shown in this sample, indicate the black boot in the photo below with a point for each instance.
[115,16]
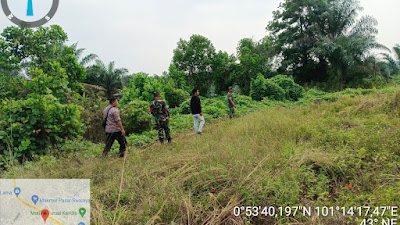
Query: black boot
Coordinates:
[169,140]
[162,141]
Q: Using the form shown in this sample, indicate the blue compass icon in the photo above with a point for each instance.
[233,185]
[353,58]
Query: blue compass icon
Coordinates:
[29,11]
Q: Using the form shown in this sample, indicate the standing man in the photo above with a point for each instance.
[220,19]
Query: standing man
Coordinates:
[195,107]
[160,110]
[231,103]
[114,129]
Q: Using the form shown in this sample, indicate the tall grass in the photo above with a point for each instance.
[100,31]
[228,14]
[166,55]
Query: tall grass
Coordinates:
[345,153]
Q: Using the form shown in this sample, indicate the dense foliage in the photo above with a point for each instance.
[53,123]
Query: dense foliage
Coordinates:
[337,147]
[23,48]
[324,41]
[107,77]
[292,90]
[195,58]
[322,44]
[39,81]
[142,87]
[277,88]
[32,125]
[136,117]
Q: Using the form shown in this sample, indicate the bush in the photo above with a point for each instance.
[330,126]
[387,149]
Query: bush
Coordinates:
[185,107]
[261,87]
[93,118]
[244,100]
[375,82]
[273,91]
[173,96]
[43,84]
[292,90]
[136,117]
[29,126]
[258,88]
[141,87]
[10,86]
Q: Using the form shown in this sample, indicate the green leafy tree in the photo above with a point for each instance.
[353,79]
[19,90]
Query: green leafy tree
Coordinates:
[178,77]
[24,48]
[224,66]
[195,57]
[107,77]
[254,58]
[142,87]
[321,40]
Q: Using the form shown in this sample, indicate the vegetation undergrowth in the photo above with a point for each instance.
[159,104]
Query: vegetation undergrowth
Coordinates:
[340,153]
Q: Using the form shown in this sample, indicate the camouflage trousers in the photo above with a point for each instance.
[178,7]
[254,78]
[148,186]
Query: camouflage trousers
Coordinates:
[163,127]
[231,112]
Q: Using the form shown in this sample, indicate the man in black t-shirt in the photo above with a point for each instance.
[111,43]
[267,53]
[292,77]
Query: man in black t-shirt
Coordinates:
[195,106]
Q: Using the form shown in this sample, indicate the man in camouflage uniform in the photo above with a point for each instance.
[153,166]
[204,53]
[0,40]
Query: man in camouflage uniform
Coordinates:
[160,110]
[231,103]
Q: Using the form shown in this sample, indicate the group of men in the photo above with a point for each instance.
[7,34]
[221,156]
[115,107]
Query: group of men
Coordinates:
[159,109]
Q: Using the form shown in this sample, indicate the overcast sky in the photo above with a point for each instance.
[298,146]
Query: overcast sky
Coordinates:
[141,35]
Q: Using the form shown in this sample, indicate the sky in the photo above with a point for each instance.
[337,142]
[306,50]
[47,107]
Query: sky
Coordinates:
[141,35]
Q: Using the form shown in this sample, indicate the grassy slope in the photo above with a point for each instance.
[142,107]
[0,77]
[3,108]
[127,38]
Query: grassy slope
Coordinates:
[284,156]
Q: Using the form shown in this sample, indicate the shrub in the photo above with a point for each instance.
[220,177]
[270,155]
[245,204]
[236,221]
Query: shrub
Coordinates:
[136,117]
[261,87]
[273,91]
[93,117]
[375,82]
[43,84]
[215,112]
[258,88]
[29,126]
[185,107]
[10,86]
[141,87]
[244,100]
[174,96]
[292,90]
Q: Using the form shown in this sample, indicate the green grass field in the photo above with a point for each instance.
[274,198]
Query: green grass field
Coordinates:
[344,153]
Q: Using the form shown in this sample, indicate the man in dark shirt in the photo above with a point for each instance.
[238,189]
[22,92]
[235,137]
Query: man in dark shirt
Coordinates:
[195,106]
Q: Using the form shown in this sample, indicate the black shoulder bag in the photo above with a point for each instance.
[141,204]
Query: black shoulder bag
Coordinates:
[105,120]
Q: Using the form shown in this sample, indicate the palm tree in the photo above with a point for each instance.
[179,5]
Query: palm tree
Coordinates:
[397,51]
[391,65]
[349,42]
[85,60]
[107,77]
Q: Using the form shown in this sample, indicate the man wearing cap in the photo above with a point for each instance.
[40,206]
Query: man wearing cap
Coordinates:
[160,110]
[231,103]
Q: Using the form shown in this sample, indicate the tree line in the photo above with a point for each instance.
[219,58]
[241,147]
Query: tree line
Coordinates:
[323,43]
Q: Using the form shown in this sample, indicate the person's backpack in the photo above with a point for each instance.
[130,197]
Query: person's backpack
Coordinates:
[104,124]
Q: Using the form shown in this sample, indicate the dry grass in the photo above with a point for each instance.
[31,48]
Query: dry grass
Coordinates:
[294,156]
